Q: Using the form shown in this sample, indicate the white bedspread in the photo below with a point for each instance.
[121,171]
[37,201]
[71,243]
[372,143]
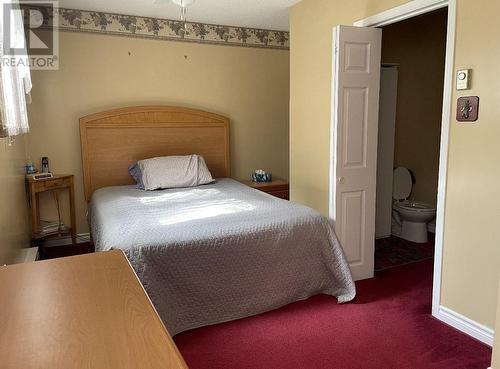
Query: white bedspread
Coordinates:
[220,252]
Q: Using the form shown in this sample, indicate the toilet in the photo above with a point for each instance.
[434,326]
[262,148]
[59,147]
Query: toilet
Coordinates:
[411,216]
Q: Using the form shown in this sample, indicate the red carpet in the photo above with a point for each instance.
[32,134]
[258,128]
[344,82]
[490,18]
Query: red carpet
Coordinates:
[388,326]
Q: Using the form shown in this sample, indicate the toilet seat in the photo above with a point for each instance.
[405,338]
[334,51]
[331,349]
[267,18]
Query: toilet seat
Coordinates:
[401,183]
[416,206]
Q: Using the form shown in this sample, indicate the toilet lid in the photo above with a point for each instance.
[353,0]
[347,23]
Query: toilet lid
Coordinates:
[401,183]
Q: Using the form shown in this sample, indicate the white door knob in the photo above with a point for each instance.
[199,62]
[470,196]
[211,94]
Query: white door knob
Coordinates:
[341,180]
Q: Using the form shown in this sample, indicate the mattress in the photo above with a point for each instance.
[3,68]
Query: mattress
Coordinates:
[219,252]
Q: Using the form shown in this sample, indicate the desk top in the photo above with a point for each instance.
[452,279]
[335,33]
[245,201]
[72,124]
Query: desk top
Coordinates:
[87,311]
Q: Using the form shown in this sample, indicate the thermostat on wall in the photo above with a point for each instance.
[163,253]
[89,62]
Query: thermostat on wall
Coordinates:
[463,78]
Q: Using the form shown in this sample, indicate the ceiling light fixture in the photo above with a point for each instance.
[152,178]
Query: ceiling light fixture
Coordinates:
[183,4]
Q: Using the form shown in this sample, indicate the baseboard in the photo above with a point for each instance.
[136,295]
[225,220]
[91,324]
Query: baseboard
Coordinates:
[66,240]
[25,255]
[466,325]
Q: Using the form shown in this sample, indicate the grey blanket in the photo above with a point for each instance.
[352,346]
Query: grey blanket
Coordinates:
[220,252]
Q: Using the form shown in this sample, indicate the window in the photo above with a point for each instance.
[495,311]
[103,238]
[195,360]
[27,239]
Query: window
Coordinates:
[15,79]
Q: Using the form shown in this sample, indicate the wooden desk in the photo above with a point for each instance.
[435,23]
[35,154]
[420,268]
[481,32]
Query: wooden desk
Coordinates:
[87,311]
[56,183]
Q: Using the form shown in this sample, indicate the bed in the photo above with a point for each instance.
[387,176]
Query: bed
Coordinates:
[205,254]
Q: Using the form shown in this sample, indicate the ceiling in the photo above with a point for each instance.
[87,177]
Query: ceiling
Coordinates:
[266,14]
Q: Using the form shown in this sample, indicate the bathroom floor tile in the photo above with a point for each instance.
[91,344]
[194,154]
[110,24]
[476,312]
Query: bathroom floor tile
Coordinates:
[394,251]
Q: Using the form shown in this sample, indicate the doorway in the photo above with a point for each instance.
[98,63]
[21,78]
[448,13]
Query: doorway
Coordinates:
[354,209]
[409,130]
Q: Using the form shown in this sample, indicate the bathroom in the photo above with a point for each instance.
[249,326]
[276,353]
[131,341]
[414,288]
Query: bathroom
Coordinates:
[411,97]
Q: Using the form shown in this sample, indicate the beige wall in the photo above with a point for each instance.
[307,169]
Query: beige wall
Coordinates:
[495,356]
[471,259]
[472,235]
[418,45]
[14,226]
[99,72]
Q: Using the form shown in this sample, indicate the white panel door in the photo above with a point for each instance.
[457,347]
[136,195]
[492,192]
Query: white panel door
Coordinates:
[353,169]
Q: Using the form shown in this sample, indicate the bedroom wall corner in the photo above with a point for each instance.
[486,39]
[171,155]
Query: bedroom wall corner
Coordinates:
[100,72]
[311,23]
[14,225]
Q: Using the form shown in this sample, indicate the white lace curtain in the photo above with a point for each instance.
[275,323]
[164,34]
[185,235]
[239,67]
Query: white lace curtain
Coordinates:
[15,78]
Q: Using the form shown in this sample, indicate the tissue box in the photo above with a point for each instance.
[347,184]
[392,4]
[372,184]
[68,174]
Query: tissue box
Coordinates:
[266,177]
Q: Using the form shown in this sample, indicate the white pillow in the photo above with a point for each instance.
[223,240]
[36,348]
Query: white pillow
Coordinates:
[171,172]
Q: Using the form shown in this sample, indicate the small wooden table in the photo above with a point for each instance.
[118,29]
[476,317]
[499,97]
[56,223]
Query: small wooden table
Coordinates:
[277,187]
[56,183]
[87,311]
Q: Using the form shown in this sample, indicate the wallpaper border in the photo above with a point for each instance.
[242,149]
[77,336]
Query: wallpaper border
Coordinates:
[75,20]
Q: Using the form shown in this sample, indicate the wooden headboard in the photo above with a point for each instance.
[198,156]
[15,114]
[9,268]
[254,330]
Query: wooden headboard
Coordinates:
[114,139]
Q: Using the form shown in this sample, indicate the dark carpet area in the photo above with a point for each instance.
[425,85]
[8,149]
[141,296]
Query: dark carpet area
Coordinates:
[387,326]
[394,251]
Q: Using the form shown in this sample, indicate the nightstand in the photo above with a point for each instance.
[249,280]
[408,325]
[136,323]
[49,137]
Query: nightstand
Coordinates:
[277,187]
[56,183]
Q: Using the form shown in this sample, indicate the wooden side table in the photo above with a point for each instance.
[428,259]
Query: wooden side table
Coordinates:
[56,183]
[277,187]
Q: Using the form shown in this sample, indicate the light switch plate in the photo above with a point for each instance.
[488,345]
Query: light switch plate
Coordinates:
[463,79]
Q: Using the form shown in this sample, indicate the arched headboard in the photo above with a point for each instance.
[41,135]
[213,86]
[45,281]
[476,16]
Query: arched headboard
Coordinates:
[114,139]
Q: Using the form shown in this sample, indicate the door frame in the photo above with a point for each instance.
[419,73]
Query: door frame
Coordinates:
[409,10]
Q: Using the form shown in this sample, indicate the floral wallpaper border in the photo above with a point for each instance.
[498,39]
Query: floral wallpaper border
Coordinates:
[163,29]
